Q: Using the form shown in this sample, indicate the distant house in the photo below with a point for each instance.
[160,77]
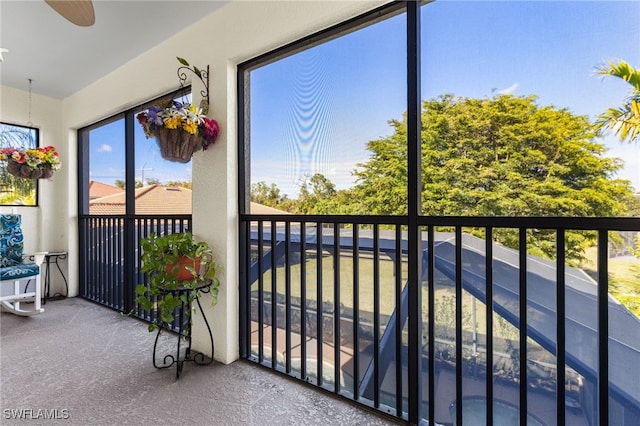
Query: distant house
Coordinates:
[99,189]
[261,209]
[152,199]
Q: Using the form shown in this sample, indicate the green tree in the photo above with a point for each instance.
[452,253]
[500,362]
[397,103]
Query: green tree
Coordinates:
[121,183]
[321,186]
[382,181]
[318,195]
[15,190]
[634,207]
[179,183]
[625,120]
[266,195]
[504,156]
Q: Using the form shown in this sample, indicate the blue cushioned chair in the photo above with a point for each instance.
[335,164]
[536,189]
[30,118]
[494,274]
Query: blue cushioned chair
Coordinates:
[15,274]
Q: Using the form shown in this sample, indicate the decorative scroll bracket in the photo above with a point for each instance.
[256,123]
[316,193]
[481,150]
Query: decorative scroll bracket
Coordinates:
[203,75]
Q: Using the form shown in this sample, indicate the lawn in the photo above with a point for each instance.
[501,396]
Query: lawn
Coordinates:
[624,278]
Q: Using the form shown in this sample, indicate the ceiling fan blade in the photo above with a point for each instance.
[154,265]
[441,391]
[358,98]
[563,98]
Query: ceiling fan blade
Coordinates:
[79,12]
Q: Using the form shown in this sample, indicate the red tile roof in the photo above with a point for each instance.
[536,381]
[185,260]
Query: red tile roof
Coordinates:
[260,209]
[152,199]
[99,189]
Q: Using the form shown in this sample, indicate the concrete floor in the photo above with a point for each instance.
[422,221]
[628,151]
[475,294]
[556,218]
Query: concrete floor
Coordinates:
[82,364]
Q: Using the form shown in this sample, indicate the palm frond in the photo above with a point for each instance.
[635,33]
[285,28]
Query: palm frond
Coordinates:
[624,121]
[623,71]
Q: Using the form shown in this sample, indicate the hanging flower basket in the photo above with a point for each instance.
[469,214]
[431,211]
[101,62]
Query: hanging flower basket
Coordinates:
[24,171]
[37,163]
[181,129]
[177,145]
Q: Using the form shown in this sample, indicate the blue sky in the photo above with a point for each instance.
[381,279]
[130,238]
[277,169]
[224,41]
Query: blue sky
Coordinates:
[315,111]
[107,157]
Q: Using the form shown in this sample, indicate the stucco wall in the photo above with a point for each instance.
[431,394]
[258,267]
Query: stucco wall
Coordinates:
[46,226]
[236,32]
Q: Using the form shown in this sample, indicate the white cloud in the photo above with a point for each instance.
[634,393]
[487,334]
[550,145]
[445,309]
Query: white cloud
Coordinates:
[509,89]
[105,148]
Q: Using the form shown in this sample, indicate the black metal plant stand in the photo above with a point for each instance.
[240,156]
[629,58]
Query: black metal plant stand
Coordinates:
[184,324]
[47,280]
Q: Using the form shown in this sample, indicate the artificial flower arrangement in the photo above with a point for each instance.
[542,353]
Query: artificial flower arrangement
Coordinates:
[34,163]
[175,115]
[181,129]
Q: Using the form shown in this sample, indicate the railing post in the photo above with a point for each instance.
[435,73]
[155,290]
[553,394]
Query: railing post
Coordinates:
[560,326]
[522,294]
[414,210]
[129,281]
[488,254]
[458,322]
[603,327]
[245,290]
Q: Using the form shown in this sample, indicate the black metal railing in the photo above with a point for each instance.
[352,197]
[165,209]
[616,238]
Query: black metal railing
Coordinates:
[110,256]
[325,299]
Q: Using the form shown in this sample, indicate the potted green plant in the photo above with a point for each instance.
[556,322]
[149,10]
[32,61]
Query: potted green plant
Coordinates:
[175,262]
